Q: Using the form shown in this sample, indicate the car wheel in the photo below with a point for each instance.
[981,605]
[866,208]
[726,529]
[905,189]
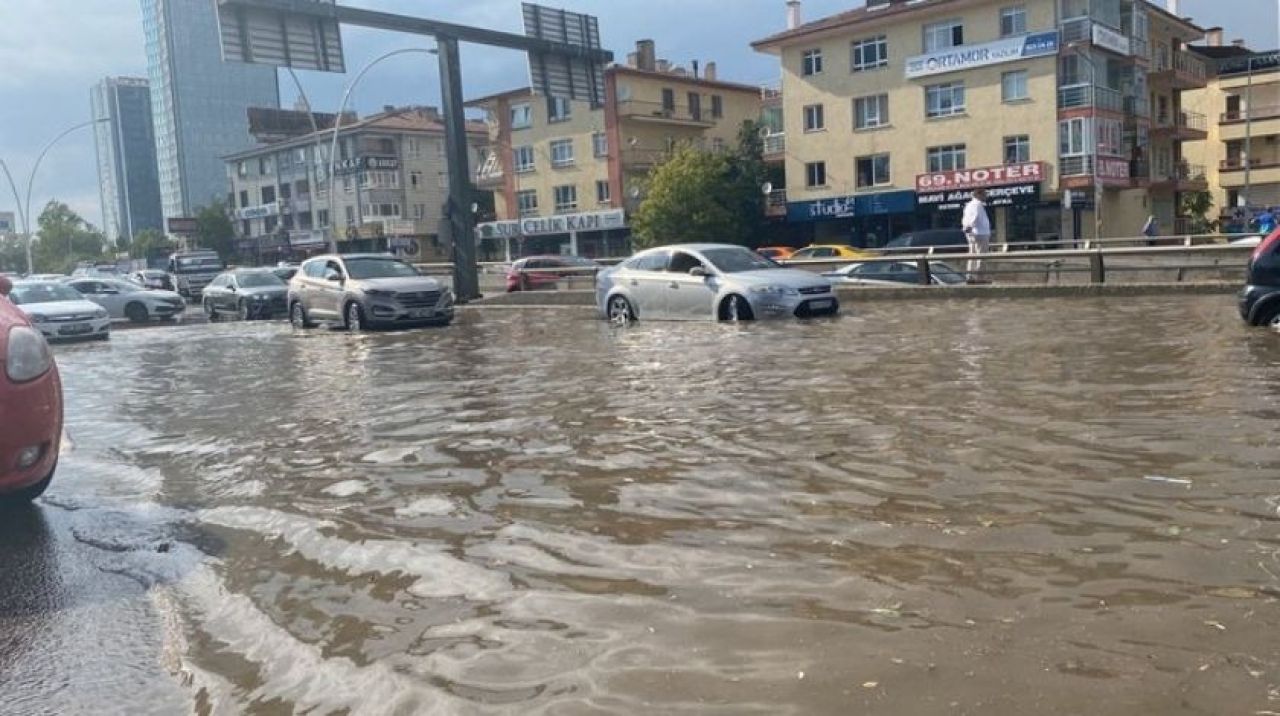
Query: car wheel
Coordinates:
[619,311]
[736,308]
[355,317]
[210,312]
[298,316]
[1269,316]
[246,313]
[29,494]
[136,312]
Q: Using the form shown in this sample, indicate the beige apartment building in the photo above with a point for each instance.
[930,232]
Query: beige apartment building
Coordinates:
[893,113]
[565,174]
[1241,149]
[391,180]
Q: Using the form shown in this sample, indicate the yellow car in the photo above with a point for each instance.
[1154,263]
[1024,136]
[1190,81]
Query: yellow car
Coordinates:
[831,252]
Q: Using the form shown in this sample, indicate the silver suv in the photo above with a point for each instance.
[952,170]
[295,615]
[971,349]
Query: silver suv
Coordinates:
[366,291]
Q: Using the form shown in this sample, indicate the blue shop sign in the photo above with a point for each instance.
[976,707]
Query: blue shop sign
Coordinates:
[848,207]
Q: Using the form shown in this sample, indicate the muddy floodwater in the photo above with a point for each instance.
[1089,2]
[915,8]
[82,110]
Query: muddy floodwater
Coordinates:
[1057,506]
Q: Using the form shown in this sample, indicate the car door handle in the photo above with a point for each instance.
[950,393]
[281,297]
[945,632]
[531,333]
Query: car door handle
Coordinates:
[635,282]
[673,284]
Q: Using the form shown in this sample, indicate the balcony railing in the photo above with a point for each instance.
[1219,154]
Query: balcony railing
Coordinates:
[1137,106]
[1241,115]
[1182,63]
[775,203]
[1087,95]
[1077,166]
[1179,173]
[775,144]
[1235,164]
[659,112]
[1183,120]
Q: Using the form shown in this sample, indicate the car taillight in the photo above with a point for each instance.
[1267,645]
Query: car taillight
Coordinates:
[1267,246]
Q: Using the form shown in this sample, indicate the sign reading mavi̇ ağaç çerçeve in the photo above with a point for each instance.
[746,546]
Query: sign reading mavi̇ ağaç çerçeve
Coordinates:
[954,59]
[1016,194]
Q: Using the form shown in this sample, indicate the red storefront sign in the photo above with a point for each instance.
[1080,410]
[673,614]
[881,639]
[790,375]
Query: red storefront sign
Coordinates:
[1113,168]
[1028,173]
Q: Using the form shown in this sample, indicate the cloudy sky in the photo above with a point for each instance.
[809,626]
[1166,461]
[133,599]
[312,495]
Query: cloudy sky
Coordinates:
[52,51]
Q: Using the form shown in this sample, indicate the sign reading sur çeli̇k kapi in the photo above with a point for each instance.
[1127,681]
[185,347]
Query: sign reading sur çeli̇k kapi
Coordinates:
[1006,185]
[557,224]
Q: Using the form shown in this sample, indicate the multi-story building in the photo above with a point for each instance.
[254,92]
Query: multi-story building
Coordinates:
[391,180]
[1241,151]
[894,112]
[126,147]
[565,173]
[8,225]
[198,102]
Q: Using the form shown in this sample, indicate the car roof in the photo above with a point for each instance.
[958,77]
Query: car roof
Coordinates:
[694,247]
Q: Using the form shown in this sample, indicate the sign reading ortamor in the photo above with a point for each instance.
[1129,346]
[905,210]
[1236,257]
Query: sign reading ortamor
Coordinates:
[954,59]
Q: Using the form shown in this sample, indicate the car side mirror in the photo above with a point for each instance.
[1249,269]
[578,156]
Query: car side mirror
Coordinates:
[699,271]
[231,289]
[334,277]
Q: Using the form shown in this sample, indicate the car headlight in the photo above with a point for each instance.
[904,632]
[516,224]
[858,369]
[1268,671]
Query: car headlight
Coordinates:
[37,317]
[101,313]
[447,298]
[28,356]
[260,297]
[774,290]
[378,293]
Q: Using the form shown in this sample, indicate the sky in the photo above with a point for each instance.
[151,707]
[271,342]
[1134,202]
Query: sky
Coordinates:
[53,51]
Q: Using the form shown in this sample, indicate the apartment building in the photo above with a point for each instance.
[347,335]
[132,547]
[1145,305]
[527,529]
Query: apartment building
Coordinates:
[565,173]
[1241,149]
[893,113]
[391,181]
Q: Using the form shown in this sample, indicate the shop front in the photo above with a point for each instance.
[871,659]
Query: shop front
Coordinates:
[861,220]
[595,234]
[1018,211]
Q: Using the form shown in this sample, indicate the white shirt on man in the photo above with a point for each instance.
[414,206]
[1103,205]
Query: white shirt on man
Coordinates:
[975,219]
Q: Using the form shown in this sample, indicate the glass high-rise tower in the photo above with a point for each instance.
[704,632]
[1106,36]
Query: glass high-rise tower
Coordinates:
[198,102]
[126,147]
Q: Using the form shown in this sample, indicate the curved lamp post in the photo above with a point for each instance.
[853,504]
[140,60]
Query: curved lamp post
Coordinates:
[337,125]
[24,207]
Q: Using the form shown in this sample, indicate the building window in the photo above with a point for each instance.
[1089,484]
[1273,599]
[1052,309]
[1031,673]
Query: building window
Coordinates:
[1073,137]
[244,198]
[813,119]
[942,35]
[246,227]
[1013,86]
[1017,149]
[668,99]
[566,198]
[944,100]
[600,144]
[380,180]
[414,148]
[351,215]
[559,109]
[602,192]
[521,116]
[323,217]
[695,106]
[264,165]
[286,191]
[1072,70]
[945,159]
[522,159]
[871,112]
[811,62]
[419,211]
[717,106]
[269,225]
[1013,21]
[242,169]
[562,153]
[415,179]
[872,171]
[870,54]
[815,174]
[718,144]
[386,146]
[527,202]
[268,195]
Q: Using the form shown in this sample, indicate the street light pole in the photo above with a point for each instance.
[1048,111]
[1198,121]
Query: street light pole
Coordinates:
[1248,135]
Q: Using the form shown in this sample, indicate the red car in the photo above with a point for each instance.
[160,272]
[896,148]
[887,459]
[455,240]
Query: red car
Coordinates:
[535,272]
[30,406]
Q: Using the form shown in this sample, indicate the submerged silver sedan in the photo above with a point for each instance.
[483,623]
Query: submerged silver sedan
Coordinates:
[716,281]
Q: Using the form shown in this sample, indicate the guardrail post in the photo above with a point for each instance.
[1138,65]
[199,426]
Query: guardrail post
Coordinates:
[926,277]
[1097,268]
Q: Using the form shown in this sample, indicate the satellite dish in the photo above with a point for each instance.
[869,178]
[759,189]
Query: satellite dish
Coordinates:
[767,188]
[632,142]
[635,192]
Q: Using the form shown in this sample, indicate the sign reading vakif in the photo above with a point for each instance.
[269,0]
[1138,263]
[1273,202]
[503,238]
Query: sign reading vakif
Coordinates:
[966,57]
[561,224]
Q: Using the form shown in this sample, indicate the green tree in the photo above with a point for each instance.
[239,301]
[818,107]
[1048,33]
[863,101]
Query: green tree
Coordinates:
[65,239]
[1196,206]
[698,195]
[150,243]
[214,230]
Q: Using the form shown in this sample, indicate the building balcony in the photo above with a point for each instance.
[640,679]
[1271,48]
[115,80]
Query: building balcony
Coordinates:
[1082,169]
[775,203]
[1250,115]
[659,113]
[1101,35]
[1137,108]
[1179,69]
[1183,177]
[1263,170]
[638,158]
[771,95]
[775,147]
[1087,96]
[1181,126]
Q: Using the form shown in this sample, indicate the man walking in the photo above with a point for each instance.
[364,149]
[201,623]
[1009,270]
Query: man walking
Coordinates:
[977,229]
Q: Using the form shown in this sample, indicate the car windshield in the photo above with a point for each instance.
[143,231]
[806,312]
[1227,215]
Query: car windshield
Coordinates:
[43,293]
[379,268]
[945,273]
[257,279]
[197,263]
[123,286]
[735,260]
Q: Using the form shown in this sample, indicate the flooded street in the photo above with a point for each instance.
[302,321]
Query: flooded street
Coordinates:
[1065,506]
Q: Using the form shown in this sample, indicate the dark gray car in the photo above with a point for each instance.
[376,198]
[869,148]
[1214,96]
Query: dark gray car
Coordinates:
[247,293]
[366,291]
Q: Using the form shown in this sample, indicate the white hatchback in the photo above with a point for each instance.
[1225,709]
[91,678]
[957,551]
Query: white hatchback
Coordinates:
[60,312]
